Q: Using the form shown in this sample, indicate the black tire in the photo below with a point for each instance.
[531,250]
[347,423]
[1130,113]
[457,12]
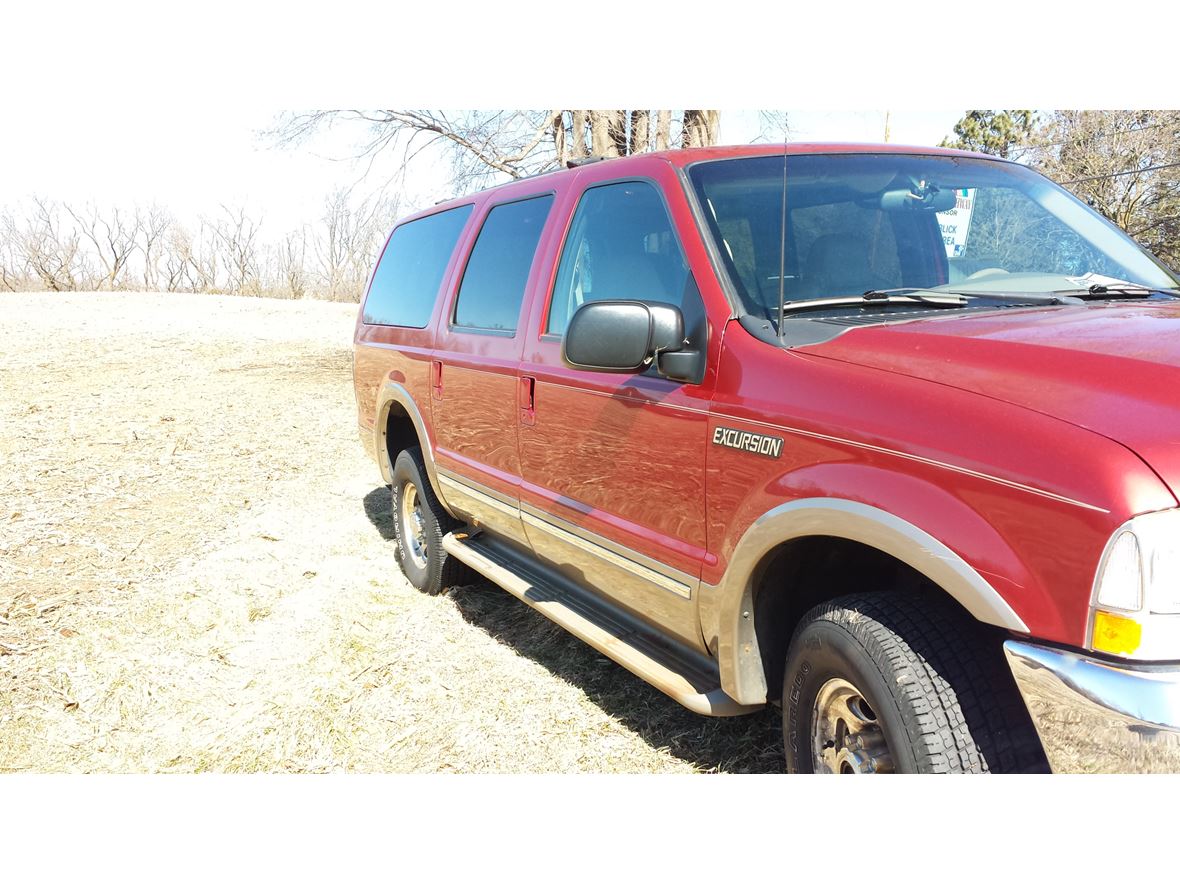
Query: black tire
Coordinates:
[419,547]
[928,680]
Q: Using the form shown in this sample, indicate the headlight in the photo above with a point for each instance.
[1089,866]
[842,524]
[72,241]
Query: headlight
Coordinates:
[1135,608]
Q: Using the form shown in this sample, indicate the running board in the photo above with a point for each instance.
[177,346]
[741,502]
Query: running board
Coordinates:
[695,685]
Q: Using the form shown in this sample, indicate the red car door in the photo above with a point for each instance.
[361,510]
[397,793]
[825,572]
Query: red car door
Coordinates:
[474,396]
[613,465]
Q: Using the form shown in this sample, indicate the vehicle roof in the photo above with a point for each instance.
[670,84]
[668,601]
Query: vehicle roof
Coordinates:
[681,157]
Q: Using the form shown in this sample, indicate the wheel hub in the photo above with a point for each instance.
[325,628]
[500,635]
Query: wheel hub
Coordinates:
[412,525]
[846,737]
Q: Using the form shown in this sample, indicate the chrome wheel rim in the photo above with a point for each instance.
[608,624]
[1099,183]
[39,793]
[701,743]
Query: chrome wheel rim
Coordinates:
[413,525]
[846,737]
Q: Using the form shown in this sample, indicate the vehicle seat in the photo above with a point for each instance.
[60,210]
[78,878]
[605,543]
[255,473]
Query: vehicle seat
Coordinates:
[623,270]
[837,264]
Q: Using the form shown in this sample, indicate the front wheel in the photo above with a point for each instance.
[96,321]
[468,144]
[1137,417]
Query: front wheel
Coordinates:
[878,683]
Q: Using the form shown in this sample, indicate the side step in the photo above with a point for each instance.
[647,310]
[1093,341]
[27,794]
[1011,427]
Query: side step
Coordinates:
[691,683]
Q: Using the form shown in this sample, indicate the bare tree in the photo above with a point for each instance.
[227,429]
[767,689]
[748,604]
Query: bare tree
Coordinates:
[569,139]
[236,236]
[53,253]
[605,136]
[193,262]
[663,137]
[14,266]
[484,144]
[337,245]
[174,251]
[291,270]
[48,246]
[1123,163]
[51,246]
[640,132]
[113,236]
[773,126]
[1126,164]
[700,128]
[346,241]
[155,223]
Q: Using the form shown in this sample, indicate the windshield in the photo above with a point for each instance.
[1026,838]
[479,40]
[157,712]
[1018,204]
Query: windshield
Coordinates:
[876,222]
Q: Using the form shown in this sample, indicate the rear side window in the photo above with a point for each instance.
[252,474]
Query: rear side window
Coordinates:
[406,282]
[498,269]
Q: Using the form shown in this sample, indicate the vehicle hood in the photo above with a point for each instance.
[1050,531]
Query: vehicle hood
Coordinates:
[1111,367]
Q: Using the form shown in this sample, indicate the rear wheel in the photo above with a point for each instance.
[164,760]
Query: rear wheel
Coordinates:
[420,523]
[878,683]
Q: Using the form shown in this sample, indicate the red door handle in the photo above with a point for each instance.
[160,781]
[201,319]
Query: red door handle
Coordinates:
[436,379]
[528,410]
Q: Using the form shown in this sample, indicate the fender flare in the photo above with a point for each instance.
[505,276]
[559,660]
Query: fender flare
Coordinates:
[392,392]
[728,606]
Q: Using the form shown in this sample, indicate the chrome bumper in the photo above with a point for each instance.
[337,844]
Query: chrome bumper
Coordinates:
[1099,716]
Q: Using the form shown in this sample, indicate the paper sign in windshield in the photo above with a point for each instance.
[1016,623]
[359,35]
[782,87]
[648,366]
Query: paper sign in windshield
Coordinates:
[956,223]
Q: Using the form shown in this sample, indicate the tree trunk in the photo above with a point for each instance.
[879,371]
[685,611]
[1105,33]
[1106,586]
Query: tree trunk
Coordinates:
[640,141]
[663,136]
[700,129]
[559,138]
[618,132]
[577,136]
[603,128]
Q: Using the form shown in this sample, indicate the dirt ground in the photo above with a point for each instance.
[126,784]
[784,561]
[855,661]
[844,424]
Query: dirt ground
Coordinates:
[196,573]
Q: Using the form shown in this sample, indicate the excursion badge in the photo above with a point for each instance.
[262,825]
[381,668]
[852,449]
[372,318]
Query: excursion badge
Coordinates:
[743,440]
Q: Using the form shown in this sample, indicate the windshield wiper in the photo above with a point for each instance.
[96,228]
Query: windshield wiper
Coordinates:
[930,298]
[1035,297]
[877,298]
[1099,292]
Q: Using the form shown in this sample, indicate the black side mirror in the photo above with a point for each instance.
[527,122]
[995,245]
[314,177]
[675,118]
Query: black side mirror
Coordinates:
[626,336]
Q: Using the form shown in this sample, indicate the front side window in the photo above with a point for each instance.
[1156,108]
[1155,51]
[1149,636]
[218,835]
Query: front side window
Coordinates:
[622,247]
[493,283]
[406,283]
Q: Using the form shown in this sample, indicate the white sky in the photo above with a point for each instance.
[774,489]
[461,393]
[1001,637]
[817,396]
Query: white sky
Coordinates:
[190,162]
[133,101]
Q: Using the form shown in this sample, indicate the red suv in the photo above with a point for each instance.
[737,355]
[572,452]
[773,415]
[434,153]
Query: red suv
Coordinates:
[888,435]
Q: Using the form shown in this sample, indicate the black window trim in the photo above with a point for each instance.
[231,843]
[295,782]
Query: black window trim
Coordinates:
[452,327]
[438,296]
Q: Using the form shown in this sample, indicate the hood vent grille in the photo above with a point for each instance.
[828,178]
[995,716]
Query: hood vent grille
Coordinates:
[875,316]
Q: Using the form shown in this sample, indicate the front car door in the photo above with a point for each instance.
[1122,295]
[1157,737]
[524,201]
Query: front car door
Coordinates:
[613,465]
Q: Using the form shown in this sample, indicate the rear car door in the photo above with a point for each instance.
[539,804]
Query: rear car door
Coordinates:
[473,389]
[613,465]
[395,331]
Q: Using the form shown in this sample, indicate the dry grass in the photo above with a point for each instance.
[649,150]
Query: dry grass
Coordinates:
[196,573]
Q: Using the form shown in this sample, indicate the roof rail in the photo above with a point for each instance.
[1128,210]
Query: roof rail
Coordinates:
[582,161]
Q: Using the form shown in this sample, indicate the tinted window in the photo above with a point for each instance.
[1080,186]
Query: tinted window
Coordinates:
[406,282]
[621,246]
[493,283]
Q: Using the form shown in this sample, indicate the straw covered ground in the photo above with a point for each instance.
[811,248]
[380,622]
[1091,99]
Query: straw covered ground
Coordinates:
[196,573]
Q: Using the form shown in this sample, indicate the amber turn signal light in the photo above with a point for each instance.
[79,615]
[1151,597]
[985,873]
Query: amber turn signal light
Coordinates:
[1116,635]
